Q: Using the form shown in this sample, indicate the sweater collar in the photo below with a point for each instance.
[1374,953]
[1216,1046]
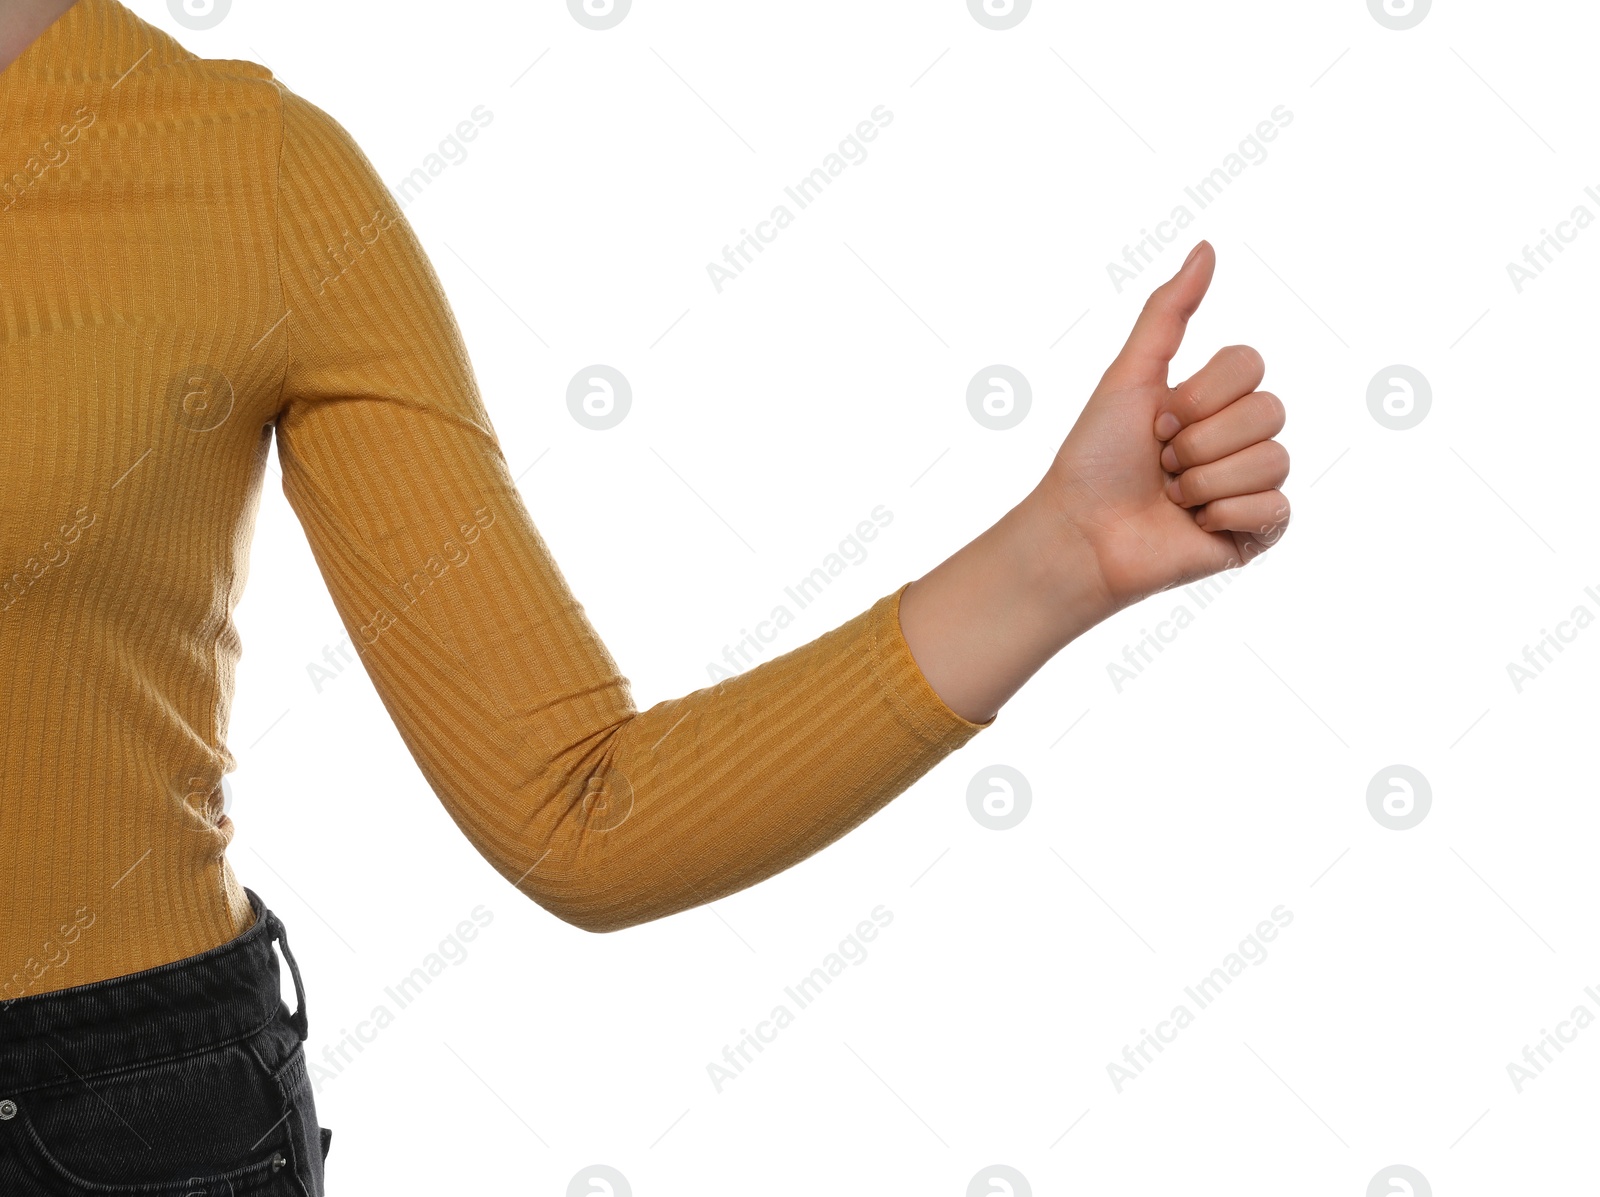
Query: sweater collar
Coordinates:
[46,47]
[93,42]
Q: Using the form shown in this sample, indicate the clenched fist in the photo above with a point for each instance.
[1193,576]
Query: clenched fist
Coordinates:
[1167,484]
[1155,486]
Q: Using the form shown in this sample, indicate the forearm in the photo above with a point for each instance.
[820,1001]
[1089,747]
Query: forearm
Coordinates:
[985,620]
[700,796]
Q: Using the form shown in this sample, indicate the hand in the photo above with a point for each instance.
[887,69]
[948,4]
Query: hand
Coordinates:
[1165,485]
[1154,487]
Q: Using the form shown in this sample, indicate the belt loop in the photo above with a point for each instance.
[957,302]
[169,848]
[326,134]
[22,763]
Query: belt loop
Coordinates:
[298,1019]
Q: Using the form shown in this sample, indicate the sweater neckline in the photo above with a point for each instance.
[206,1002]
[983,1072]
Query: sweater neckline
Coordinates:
[43,47]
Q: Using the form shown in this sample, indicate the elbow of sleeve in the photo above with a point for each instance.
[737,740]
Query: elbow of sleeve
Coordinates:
[586,918]
[583,906]
[596,873]
[601,911]
[585,903]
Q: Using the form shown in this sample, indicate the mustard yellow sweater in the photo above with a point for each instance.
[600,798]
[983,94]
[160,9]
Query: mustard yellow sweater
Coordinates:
[191,257]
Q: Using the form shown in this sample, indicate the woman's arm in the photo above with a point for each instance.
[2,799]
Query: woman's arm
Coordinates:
[510,703]
[1111,522]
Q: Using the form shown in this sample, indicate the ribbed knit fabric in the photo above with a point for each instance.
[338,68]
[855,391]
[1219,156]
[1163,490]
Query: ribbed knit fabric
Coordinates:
[192,256]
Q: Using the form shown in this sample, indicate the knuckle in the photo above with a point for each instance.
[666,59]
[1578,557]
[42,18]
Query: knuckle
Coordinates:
[1189,405]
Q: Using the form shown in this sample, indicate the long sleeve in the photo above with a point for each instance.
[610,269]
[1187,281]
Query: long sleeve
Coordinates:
[513,708]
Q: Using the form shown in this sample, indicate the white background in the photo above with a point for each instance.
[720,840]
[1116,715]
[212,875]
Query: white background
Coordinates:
[1229,778]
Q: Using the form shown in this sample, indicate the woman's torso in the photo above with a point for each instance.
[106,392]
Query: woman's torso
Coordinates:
[140,373]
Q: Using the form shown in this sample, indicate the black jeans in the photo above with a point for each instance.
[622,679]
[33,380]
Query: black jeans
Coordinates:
[185,1080]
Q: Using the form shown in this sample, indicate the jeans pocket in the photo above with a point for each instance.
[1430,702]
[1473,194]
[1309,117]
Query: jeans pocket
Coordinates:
[310,1140]
[281,1055]
[202,1126]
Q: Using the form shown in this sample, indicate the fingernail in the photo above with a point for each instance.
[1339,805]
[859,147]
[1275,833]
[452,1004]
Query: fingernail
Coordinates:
[1166,426]
[1175,491]
[1193,254]
[1169,460]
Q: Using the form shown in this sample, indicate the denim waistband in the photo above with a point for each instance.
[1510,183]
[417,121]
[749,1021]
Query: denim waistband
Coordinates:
[224,994]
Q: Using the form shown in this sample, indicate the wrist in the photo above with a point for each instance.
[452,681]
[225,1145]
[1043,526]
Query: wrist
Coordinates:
[1063,569]
[985,620]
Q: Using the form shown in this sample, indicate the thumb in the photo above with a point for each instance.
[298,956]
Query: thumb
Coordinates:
[1159,329]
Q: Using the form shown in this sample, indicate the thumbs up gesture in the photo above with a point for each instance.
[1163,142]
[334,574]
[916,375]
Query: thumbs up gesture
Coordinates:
[1155,486]
[1166,484]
